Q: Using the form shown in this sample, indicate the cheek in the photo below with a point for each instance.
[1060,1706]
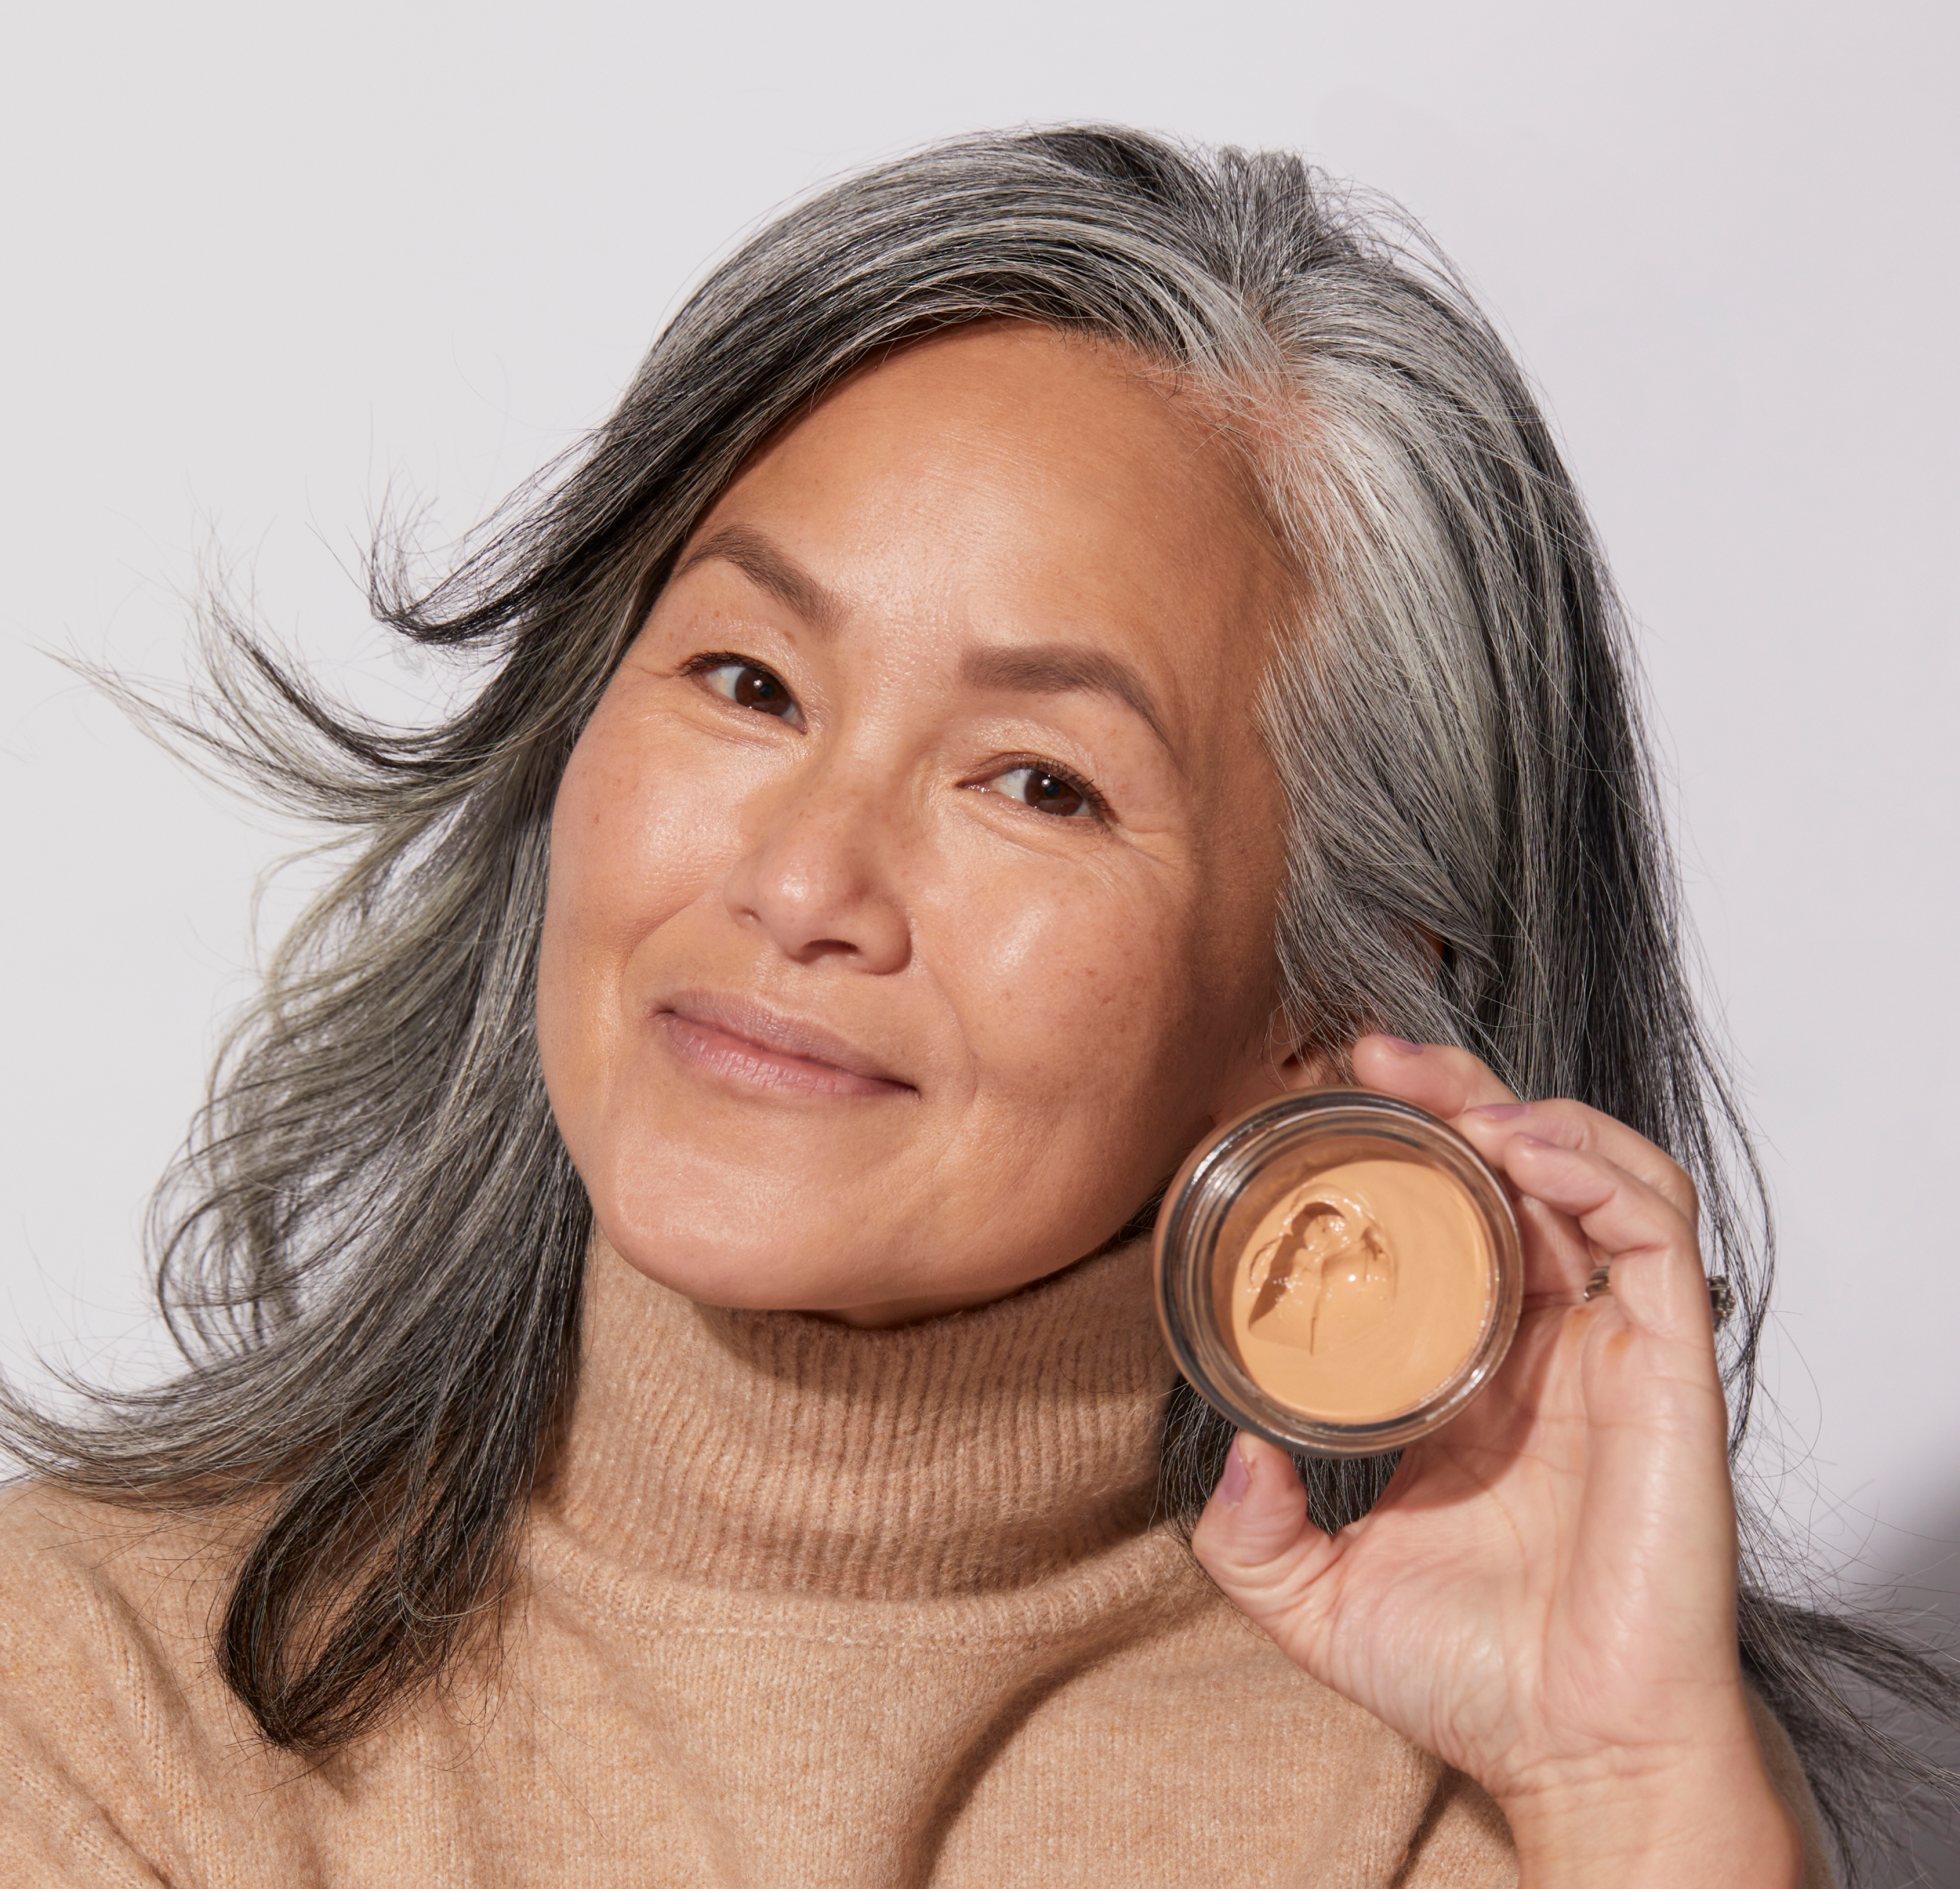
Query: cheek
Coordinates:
[1077,975]
[1112,1012]
[636,837]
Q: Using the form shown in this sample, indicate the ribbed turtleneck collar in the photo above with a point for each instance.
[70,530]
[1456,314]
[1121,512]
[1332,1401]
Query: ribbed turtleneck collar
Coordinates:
[977,1451]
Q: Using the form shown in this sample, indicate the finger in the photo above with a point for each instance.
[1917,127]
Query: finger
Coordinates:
[1437,1076]
[1255,1541]
[1559,1259]
[1447,1081]
[1572,1124]
[1453,1083]
[1645,1242]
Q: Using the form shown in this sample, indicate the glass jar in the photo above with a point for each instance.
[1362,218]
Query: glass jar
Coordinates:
[1338,1271]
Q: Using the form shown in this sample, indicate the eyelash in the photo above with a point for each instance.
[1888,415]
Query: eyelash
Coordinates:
[1098,808]
[725,659]
[710,660]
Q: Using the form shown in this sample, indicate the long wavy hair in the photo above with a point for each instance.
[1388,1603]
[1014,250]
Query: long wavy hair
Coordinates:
[371,1252]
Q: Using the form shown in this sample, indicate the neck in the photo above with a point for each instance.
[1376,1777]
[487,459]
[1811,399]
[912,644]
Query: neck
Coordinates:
[977,1450]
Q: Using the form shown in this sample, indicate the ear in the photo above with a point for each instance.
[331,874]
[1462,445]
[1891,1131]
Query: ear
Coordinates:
[1275,1073]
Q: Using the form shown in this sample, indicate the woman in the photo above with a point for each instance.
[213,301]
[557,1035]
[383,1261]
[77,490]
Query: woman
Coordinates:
[1064,637]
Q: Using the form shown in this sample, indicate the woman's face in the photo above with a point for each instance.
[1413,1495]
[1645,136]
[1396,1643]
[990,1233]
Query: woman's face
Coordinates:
[913,885]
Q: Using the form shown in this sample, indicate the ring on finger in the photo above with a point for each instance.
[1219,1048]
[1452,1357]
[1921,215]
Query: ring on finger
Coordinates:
[1721,1294]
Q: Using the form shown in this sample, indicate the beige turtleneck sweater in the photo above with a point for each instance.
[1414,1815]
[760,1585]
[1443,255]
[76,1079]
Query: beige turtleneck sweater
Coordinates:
[803,1605]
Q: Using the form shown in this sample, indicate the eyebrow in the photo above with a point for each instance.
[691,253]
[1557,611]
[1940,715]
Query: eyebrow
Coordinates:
[1054,669]
[769,570]
[1034,668]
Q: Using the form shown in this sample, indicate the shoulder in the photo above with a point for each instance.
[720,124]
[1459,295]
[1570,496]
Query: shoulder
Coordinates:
[111,1710]
[90,1586]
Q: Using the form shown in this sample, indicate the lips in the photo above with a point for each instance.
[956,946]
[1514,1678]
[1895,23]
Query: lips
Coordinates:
[750,1045]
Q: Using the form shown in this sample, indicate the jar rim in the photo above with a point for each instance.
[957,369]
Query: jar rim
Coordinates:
[1213,1177]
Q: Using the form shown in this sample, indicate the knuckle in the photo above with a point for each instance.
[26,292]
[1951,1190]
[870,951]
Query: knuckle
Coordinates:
[1570,1124]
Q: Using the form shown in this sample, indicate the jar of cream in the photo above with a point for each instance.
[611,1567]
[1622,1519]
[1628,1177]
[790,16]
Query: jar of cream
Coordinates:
[1338,1271]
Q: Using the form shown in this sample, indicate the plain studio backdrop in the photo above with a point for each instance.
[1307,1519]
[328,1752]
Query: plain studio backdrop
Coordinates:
[268,267]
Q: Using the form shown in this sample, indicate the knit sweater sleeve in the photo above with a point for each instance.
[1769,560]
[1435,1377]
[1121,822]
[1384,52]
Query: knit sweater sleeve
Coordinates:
[1786,1773]
[53,1835]
[1464,1842]
[98,1771]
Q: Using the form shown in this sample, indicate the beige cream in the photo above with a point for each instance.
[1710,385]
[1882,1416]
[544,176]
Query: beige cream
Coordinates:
[1362,1291]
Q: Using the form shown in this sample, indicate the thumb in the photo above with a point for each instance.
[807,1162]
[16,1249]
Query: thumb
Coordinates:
[1255,1541]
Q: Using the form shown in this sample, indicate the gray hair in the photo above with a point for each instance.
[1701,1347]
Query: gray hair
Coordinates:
[372,1252]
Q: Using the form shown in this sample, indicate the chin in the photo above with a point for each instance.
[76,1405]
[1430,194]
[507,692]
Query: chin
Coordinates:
[759,1271]
[806,1269]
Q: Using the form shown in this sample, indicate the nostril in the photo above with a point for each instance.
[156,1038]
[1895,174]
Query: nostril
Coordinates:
[821,884]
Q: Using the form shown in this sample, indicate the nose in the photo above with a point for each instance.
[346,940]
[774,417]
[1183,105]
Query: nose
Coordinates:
[821,872]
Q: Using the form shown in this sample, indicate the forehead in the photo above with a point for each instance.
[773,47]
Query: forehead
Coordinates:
[1012,482]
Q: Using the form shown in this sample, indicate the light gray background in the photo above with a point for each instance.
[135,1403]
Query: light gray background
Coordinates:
[266,265]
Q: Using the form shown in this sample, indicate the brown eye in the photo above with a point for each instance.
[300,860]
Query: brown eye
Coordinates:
[749,686]
[1046,793]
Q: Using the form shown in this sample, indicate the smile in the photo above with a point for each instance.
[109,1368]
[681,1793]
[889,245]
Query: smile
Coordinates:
[746,1044]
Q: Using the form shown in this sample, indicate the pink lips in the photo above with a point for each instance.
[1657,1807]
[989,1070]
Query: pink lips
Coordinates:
[748,1044]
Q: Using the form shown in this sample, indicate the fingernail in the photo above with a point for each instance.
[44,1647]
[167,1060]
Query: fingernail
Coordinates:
[1236,1480]
[1401,1043]
[1501,1111]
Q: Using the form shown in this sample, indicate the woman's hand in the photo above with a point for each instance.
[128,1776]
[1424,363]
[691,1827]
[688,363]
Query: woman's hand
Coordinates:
[1545,1597]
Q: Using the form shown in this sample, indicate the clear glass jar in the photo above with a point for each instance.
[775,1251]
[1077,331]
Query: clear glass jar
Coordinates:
[1338,1271]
